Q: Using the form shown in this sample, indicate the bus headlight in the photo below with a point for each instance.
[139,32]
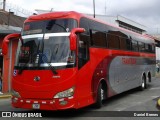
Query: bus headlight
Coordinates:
[15,94]
[66,93]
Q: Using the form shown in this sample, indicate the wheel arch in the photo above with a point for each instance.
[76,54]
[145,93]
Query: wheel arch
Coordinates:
[101,93]
[144,75]
[104,86]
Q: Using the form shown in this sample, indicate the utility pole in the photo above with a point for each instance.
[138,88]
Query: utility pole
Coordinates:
[4,5]
[9,17]
[94,8]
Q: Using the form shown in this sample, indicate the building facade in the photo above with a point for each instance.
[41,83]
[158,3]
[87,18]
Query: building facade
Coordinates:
[123,22]
[9,23]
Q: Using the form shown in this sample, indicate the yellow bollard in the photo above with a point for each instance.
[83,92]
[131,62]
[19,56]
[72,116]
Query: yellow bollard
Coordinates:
[158,102]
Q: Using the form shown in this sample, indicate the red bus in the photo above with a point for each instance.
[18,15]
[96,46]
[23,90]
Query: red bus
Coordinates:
[68,60]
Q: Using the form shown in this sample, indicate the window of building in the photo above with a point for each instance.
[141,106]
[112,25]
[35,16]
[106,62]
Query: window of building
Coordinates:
[130,27]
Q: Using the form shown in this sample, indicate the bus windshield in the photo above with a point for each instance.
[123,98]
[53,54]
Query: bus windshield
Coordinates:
[46,43]
[49,26]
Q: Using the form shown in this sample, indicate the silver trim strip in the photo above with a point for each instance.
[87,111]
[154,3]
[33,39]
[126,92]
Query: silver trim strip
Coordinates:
[32,36]
[57,34]
[46,64]
[46,35]
[53,64]
[56,64]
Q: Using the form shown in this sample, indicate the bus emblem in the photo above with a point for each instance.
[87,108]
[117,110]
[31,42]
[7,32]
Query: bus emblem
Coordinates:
[15,73]
[37,78]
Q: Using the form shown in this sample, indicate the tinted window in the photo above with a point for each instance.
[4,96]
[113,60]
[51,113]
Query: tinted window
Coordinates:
[84,24]
[123,43]
[149,48]
[98,39]
[141,46]
[113,41]
[129,44]
[153,48]
[83,50]
[134,45]
[49,26]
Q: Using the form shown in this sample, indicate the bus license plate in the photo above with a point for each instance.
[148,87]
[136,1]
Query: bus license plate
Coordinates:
[36,106]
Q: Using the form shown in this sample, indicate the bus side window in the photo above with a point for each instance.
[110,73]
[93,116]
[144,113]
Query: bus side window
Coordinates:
[134,45]
[83,50]
[153,48]
[141,46]
[129,44]
[113,41]
[149,48]
[98,39]
[123,43]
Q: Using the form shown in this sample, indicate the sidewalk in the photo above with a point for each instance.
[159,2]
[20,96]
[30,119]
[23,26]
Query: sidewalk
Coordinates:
[157,75]
[4,95]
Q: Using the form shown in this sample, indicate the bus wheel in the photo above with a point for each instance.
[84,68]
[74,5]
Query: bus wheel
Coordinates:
[143,84]
[100,96]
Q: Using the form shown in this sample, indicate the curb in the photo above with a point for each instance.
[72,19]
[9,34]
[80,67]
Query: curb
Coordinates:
[157,75]
[5,96]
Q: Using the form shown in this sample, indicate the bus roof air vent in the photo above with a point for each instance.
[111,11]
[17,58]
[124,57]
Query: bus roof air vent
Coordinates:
[50,15]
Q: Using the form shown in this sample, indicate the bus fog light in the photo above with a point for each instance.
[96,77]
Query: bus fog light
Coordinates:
[66,93]
[15,94]
[14,100]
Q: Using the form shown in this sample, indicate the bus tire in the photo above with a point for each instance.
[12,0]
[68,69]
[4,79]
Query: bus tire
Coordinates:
[100,96]
[143,84]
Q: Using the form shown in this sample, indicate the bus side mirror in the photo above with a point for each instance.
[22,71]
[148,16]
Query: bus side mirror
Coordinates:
[6,41]
[73,37]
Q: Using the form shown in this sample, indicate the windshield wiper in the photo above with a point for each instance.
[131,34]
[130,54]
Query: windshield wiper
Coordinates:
[43,56]
[45,60]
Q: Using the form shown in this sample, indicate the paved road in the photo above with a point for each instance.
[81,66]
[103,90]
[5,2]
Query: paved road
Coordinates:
[133,100]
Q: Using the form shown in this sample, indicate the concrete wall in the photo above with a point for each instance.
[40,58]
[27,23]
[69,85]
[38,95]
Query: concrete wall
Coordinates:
[8,65]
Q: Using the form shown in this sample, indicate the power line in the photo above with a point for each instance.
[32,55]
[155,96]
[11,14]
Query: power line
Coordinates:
[16,9]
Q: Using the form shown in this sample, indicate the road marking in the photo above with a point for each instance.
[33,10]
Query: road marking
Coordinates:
[154,96]
[156,88]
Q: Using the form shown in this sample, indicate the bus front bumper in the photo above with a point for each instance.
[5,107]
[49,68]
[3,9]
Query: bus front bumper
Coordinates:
[51,104]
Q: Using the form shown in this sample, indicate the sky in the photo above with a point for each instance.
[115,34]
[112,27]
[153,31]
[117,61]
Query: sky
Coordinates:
[145,12]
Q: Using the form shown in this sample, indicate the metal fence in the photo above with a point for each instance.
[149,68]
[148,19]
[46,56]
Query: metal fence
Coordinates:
[19,11]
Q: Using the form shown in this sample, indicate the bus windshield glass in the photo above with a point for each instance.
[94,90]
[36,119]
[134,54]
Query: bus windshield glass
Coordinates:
[49,26]
[46,43]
